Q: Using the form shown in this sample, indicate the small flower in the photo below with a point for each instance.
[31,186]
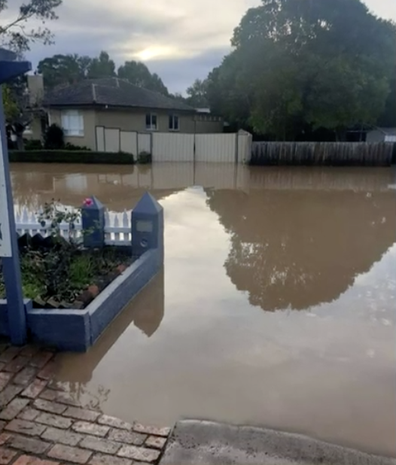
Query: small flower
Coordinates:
[88,202]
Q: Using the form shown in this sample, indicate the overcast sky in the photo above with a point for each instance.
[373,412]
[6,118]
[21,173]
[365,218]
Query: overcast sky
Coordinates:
[181,40]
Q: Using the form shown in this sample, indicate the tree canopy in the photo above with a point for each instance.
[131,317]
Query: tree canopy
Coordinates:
[66,69]
[197,94]
[138,74]
[300,65]
[16,35]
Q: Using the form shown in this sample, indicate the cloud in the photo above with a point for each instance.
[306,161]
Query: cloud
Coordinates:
[178,39]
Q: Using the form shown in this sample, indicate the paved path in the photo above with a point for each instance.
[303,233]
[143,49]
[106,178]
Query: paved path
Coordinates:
[43,425]
[207,443]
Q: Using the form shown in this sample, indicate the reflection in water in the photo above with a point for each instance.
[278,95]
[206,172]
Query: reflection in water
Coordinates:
[293,249]
[195,342]
[146,312]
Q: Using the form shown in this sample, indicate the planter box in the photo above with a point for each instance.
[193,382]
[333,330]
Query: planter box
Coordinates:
[77,330]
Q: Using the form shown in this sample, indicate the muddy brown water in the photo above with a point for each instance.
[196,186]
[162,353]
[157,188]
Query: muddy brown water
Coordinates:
[276,305]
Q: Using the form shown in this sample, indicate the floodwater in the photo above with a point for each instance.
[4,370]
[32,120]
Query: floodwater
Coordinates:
[276,305]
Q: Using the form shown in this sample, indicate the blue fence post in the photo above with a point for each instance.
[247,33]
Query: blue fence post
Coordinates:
[147,226]
[8,238]
[93,223]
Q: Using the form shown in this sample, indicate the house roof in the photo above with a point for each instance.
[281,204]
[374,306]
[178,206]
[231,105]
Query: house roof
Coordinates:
[113,92]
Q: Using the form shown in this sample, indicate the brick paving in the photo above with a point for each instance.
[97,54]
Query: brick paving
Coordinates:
[41,424]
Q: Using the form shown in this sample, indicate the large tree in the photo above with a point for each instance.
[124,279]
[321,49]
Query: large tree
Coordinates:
[17,34]
[20,108]
[71,68]
[63,69]
[304,64]
[197,94]
[138,74]
[101,67]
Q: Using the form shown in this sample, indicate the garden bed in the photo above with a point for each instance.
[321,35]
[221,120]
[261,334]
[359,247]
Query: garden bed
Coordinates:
[77,285]
[65,277]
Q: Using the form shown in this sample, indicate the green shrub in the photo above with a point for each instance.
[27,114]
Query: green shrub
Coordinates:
[70,146]
[144,158]
[33,144]
[54,138]
[70,156]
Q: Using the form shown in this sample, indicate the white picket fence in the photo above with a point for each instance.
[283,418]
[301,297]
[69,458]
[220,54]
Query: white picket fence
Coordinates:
[117,228]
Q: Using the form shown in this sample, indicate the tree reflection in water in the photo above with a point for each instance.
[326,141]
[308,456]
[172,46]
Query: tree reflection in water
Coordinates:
[299,248]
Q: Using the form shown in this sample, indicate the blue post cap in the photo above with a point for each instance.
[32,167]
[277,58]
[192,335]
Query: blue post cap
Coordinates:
[9,68]
[147,205]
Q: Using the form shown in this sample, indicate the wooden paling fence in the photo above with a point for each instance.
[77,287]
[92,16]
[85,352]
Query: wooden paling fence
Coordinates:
[323,153]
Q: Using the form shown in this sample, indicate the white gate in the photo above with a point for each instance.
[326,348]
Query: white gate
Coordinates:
[173,147]
[216,148]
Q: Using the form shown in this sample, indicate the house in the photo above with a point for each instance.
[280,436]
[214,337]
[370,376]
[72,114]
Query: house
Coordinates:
[96,113]
[381,135]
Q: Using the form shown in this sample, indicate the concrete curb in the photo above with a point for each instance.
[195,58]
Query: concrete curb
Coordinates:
[203,442]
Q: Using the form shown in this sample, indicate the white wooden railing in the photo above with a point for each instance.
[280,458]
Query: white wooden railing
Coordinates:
[117,227]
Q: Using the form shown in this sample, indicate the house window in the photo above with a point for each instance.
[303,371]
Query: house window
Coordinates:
[151,122]
[72,123]
[173,123]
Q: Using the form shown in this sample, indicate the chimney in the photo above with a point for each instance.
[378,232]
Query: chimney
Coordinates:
[36,88]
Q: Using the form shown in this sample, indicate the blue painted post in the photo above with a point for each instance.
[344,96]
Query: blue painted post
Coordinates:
[93,223]
[8,239]
[147,226]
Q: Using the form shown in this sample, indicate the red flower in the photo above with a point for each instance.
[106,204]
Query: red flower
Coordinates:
[88,202]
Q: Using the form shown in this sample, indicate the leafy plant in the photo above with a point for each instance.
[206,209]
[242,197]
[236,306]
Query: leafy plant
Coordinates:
[54,138]
[34,144]
[58,267]
[144,158]
[70,146]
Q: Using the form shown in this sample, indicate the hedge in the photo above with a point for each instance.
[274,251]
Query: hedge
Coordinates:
[70,156]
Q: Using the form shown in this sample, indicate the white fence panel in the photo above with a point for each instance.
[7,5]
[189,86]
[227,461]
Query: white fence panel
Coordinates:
[128,141]
[100,142]
[244,147]
[112,140]
[144,143]
[215,148]
[173,147]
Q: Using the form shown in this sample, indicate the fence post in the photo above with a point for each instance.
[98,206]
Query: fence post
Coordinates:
[9,69]
[147,226]
[93,222]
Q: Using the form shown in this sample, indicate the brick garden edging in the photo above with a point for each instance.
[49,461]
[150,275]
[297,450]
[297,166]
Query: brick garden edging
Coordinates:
[43,425]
